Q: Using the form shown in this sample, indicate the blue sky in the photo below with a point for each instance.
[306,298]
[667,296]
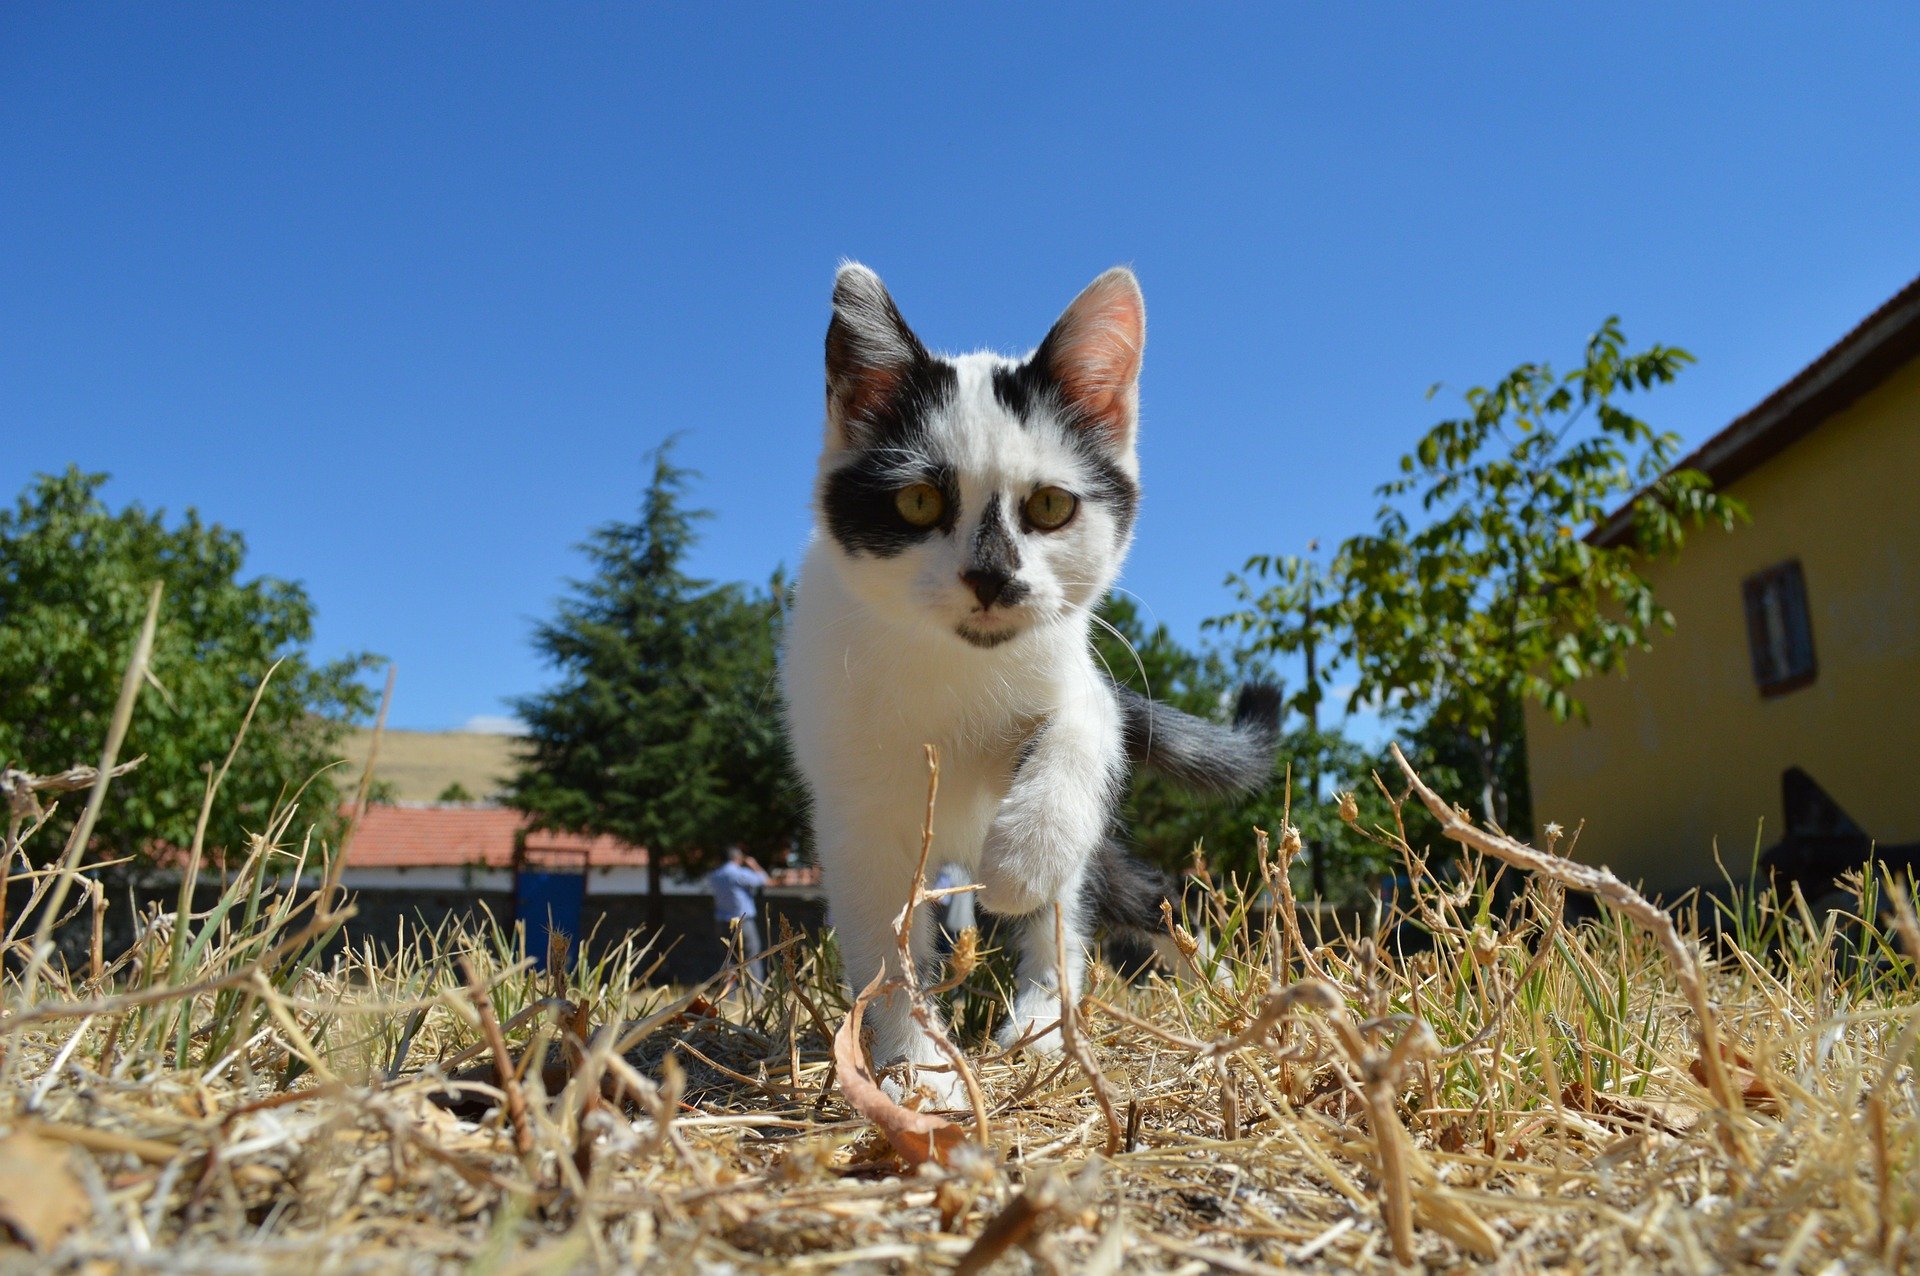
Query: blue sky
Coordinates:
[406,292]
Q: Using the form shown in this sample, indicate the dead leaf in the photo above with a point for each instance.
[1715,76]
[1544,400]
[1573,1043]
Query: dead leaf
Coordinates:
[1014,1225]
[40,1199]
[698,1008]
[1754,1091]
[1677,1119]
[917,1136]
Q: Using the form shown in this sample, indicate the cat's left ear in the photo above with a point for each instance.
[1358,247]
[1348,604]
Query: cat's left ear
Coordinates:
[870,352]
[1093,355]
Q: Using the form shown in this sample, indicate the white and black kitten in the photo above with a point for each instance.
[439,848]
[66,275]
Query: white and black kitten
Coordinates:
[970,513]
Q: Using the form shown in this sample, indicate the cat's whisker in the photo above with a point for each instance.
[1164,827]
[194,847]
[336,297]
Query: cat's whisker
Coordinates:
[1152,616]
[1146,684]
[1098,655]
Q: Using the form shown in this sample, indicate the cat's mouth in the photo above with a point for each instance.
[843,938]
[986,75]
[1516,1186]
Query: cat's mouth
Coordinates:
[986,628]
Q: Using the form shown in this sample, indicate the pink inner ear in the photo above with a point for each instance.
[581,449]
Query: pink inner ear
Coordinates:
[1097,357]
[869,390]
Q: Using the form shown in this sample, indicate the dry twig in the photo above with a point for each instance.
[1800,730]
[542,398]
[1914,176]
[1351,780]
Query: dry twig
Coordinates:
[502,1061]
[1630,903]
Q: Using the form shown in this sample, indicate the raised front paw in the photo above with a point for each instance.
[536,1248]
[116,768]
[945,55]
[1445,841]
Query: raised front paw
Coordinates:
[1008,888]
[1032,855]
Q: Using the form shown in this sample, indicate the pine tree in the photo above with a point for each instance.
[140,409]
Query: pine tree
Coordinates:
[646,736]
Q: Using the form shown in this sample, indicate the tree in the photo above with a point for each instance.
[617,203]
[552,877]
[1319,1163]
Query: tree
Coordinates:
[1166,822]
[1163,820]
[1481,587]
[73,592]
[1286,612]
[658,730]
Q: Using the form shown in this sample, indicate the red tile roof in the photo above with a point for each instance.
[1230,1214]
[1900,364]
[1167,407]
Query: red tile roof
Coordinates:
[459,834]
[453,835]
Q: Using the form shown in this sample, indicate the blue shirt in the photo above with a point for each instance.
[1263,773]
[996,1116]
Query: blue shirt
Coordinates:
[733,886]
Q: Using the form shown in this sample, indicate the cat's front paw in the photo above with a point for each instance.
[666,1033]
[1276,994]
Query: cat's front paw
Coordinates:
[1037,847]
[1007,890]
[938,1091]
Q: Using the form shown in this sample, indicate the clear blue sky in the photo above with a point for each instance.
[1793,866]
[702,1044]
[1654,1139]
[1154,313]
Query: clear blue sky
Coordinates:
[405,292]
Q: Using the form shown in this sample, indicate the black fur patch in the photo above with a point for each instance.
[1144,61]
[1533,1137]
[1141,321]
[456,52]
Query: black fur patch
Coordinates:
[995,559]
[1020,389]
[926,387]
[1112,486]
[1029,392]
[857,501]
[857,498]
[1124,892]
[993,545]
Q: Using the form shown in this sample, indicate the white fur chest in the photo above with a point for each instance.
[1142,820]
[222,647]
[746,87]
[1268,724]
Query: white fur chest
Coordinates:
[865,694]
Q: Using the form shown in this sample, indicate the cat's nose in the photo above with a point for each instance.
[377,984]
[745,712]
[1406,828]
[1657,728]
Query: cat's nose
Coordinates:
[987,585]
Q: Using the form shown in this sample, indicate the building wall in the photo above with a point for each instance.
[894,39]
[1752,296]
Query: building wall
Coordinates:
[689,940]
[1683,751]
[386,916]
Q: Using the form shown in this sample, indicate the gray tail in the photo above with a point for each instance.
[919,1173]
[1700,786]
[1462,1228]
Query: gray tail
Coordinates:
[1210,757]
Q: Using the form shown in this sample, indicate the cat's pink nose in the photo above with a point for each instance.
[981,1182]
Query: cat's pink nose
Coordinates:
[987,585]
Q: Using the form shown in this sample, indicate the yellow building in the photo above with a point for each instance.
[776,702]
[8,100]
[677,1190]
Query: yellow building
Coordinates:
[1797,639]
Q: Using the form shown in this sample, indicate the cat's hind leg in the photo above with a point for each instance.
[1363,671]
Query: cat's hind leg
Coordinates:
[1047,943]
[863,912]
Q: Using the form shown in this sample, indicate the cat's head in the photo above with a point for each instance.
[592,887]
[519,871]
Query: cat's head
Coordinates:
[983,496]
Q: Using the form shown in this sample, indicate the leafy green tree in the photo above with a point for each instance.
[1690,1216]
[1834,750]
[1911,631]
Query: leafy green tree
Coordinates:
[1166,822]
[662,729]
[1480,587]
[74,577]
[455,792]
[1288,610]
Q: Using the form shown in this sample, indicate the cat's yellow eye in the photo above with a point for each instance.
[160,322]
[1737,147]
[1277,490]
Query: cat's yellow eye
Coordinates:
[1049,508]
[920,504]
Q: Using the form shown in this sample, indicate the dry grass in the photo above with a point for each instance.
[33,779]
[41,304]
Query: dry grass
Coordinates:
[1473,1080]
[421,764]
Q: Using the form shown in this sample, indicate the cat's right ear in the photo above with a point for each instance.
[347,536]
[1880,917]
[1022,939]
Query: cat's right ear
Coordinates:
[1093,355]
[870,351]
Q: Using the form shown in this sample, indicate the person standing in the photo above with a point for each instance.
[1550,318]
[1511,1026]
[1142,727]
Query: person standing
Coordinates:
[734,885]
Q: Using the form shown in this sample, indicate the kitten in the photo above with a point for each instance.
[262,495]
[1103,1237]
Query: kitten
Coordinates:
[970,513]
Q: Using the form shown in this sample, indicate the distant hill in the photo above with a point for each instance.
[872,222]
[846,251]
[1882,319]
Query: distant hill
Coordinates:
[421,764]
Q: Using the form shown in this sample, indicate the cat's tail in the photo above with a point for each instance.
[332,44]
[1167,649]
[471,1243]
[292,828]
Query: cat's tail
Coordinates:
[1211,757]
[1127,896]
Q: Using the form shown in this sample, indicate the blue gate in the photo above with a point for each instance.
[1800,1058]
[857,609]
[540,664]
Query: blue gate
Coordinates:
[548,903]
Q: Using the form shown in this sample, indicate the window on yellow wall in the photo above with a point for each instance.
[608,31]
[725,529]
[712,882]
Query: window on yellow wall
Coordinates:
[1779,633]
